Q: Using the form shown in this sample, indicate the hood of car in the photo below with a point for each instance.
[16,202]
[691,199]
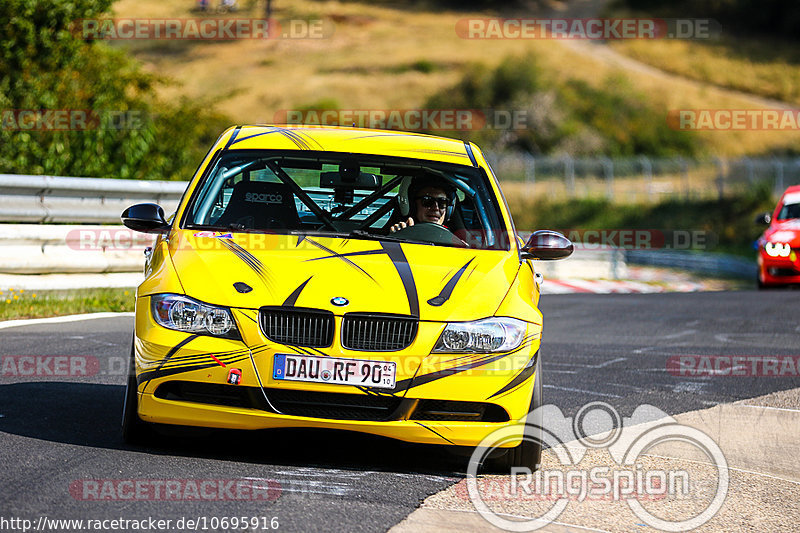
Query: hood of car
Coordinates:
[784,231]
[435,283]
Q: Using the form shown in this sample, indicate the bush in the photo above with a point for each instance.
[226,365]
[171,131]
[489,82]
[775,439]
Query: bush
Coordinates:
[563,117]
[131,134]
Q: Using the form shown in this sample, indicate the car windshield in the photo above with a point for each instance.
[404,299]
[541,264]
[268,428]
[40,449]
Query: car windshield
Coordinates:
[789,211]
[358,196]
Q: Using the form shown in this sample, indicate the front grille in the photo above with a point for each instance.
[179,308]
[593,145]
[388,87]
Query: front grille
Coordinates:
[459,411]
[333,404]
[297,326]
[378,333]
[783,272]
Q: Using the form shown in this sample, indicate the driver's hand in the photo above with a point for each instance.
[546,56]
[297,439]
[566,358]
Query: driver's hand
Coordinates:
[400,225]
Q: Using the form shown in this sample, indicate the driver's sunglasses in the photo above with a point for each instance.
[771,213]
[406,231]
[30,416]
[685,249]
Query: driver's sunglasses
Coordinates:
[430,202]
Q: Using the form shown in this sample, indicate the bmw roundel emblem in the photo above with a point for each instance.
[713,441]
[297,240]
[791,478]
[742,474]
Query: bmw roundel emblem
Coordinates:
[340,301]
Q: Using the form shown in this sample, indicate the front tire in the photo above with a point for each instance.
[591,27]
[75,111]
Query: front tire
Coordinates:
[529,452]
[134,429]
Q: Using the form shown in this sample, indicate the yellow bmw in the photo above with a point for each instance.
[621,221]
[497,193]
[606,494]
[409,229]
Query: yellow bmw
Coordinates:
[341,278]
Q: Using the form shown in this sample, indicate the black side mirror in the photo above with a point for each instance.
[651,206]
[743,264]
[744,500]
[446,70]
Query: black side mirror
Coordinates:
[764,218]
[546,245]
[147,218]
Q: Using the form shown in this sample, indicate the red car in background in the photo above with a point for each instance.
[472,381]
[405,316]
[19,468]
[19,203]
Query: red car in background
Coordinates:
[779,245]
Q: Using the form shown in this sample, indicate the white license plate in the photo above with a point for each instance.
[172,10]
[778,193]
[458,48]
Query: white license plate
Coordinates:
[291,367]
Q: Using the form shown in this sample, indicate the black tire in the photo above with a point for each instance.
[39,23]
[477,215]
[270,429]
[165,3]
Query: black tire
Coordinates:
[134,429]
[529,453]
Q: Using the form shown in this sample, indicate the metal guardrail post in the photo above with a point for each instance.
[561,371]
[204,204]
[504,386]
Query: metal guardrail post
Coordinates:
[530,168]
[720,176]
[647,169]
[778,176]
[685,178]
[569,175]
[608,173]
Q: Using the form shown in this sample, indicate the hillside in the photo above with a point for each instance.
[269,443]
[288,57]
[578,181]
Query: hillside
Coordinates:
[385,58]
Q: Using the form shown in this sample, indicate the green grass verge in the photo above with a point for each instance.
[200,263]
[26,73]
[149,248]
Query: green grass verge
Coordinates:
[18,304]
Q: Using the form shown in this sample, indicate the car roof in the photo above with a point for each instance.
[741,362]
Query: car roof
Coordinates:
[352,140]
[791,195]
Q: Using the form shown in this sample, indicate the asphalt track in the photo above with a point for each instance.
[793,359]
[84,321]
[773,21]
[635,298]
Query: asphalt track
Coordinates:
[56,431]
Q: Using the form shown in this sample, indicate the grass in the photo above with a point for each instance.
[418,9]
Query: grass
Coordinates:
[770,69]
[380,57]
[18,304]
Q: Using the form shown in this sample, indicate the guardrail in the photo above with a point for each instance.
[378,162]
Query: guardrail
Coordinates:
[41,199]
[715,264]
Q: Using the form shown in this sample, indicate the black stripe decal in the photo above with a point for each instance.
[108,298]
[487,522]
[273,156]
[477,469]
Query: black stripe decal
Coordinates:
[448,288]
[439,374]
[185,359]
[153,374]
[292,299]
[520,378]
[395,253]
[252,261]
[339,256]
[349,254]
[424,379]
[470,154]
[434,431]
[233,138]
[170,353]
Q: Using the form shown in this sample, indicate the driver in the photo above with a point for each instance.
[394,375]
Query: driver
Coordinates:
[431,199]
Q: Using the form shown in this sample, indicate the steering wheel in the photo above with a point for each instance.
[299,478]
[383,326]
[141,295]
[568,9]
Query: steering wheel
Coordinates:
[429,232]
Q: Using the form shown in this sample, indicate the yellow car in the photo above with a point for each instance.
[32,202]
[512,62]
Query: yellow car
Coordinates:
[340,278]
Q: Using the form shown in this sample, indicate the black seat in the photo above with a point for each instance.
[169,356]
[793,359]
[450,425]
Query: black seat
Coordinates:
[261,205]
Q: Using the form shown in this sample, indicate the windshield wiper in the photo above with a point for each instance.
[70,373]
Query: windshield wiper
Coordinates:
[361,234]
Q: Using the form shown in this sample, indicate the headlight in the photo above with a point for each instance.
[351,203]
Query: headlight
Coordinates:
[174,311]
[777,249]
[488,335]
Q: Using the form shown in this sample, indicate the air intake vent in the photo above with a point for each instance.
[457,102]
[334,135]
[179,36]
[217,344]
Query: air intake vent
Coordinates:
[297,326]
[459,411]
[333,405]
[378,333]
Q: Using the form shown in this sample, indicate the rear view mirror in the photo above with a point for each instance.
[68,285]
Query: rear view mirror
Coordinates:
[547,245]
[363,180]
[147,218]
[763,218]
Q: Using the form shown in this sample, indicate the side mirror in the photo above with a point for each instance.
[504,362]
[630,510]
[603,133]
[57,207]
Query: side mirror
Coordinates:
[547,245]
[147,218]
[764,218]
